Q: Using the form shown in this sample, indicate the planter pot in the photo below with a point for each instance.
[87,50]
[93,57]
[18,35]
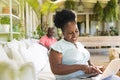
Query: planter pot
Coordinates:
[5,27]
[5,10]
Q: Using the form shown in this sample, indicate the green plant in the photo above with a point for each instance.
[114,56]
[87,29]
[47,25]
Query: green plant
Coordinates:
[35,6]
[70,4]
[43,9]
[40,32]
[113,31]
[47,7]
[98,10]
[111,11]
[5,20]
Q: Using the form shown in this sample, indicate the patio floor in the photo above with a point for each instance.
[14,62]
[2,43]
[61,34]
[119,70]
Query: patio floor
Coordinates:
[99,56]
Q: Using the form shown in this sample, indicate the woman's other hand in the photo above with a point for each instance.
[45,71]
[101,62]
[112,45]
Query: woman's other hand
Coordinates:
[88,69]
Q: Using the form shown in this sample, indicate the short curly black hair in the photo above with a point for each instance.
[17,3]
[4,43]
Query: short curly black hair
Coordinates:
[62,17]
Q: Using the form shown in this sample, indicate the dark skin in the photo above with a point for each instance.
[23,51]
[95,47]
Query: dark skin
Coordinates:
[71,34]
[50,32]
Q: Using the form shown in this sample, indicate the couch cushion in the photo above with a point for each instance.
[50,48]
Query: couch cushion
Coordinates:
[16,56]
[46,73]
[3,55]
[27,72]
[13,44]
[37,54]
[8,70]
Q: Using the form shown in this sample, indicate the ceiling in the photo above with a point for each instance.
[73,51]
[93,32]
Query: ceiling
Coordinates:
[94,1]
[88,4]
[91,3]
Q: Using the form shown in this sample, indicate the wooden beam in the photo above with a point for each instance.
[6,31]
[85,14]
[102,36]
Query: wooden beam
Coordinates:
[94,1]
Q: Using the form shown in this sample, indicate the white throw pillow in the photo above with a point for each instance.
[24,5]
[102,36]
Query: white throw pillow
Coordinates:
[7,51]
[28,42]
[37,54]
[27,72]
[3,55]
[16,56]
[22,43]
[46,73]
[8,70]
[13,44]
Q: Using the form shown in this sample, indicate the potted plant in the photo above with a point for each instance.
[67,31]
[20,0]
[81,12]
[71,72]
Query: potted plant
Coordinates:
[111,11]
[98,10]
[5,23]
[40,31]
[98,14]
[107,14]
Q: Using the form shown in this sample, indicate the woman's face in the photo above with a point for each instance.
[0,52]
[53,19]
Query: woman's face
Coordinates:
[71,32]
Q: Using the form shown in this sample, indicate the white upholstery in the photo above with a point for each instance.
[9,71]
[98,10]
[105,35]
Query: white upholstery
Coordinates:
[46,73]
[13,44]
[13,48]
[23,53]
[26,72]
[35,54]
[27,42]
[8,70]
[3,55]
[7,51]
[17,56]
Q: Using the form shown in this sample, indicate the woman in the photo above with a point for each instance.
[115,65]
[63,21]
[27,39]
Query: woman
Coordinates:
[69,58]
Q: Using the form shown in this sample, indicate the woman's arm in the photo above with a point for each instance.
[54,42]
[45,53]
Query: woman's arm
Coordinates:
[90,63]
[62,69]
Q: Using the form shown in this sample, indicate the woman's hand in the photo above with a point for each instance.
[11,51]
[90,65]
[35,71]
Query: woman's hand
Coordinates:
[102,68]
[93,69]
[88,69]
[99,69]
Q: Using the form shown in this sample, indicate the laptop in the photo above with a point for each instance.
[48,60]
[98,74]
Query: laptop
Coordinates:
[110,70]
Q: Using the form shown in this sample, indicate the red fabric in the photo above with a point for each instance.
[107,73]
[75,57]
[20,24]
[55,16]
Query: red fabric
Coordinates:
[46,41]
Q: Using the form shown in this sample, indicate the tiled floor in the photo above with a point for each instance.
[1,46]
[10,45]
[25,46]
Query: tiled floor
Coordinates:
[99,56]
[100,59]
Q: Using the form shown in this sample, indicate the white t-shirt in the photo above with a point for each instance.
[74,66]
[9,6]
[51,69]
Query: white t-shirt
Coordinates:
[71,55]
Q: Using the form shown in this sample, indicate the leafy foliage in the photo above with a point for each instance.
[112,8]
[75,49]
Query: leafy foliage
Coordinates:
[48,7]
[44,9]
[40,32]
[70,4]
[98,10]
[111,11]
[113,31]
[5,20]
[35,5]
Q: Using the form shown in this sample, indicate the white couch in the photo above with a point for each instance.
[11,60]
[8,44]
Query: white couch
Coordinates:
[30,60]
